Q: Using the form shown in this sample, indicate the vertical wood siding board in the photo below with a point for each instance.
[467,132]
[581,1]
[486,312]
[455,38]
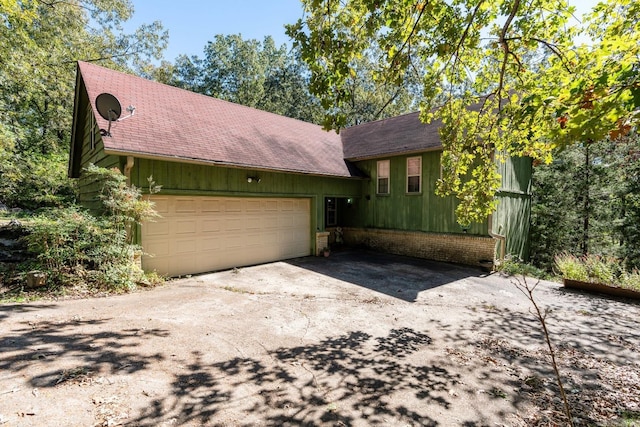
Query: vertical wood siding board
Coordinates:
[202,177]
[141,171]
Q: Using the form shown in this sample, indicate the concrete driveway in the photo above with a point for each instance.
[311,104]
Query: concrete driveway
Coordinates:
[356,339]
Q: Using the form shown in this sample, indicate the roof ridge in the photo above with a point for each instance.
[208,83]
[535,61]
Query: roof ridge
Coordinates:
[384,119]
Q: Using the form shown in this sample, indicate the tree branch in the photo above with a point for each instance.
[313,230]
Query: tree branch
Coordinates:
[408,38]
[505,46]
[552,47]
[466,30]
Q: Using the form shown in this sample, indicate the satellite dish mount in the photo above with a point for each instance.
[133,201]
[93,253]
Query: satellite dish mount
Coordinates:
[110,109]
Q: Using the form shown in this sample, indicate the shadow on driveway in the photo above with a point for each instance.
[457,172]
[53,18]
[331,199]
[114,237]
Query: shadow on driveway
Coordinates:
[218,351]
[339,381]
[397,276]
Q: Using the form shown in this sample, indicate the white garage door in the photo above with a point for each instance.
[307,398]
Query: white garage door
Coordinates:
[198,234]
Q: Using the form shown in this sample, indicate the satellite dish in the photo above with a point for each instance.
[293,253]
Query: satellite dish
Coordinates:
[109,108]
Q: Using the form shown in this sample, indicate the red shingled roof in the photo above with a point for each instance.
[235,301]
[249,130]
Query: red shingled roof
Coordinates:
[173,123]
[396,135]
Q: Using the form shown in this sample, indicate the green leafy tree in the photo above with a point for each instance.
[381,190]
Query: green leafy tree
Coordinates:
[371,97]
[275,79]
[40,41]
[232,69]
[585,202]
[503,76]
[628,201]
[248,72]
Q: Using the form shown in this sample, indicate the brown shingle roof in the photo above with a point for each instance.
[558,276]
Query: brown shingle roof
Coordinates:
[393,136]
[177,124]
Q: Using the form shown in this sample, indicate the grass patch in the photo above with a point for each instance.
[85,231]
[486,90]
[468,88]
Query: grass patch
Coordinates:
[516,267]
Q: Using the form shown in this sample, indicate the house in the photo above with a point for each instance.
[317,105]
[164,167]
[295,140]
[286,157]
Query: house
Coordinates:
[242,186]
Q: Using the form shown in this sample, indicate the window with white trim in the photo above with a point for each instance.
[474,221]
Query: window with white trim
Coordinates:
[414,174]
[383,176]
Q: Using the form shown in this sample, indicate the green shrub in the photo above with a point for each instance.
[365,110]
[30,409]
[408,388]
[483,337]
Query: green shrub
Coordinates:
[122,203]
[602,269]
[33,181]
[631,280]
[598,269]
[73,245]
[572,267]
[516,267]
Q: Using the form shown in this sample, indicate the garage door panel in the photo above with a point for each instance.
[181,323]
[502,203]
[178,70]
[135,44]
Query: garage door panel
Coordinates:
[287,237]
[270,236]
[186,246]
[270,223]
[233,205]
[234,224]
[189,226]
[212,205]
[286,205]
[210,244]
[185,206]
[253,223]
[234,241]
[254,206]
[157,263]
[298,221]
[271,205]
[211,226]
[161,205]
[253,239]
[157,228]
[199,234]
[160,248]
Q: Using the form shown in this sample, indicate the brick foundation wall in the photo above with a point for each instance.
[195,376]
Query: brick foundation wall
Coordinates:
[322,241]
[458,248]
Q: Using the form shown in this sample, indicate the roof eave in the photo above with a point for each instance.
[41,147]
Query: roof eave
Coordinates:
[393,154]
[71,170]
[151,156]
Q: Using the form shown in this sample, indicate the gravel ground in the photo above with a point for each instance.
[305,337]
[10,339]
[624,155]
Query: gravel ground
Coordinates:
[356,339]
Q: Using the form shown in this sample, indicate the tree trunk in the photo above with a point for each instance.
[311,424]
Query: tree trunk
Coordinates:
[587,200]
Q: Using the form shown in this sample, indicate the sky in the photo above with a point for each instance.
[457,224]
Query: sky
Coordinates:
[192,23]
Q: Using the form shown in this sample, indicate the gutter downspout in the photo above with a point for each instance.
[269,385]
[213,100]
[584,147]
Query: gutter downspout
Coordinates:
[127,173]
[128,167]
[500,238]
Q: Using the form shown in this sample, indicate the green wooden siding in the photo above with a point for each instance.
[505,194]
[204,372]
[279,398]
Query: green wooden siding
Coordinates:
[516,174]
[512,217]
[399,210]
[193,179]
[86,154]
[88,190]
